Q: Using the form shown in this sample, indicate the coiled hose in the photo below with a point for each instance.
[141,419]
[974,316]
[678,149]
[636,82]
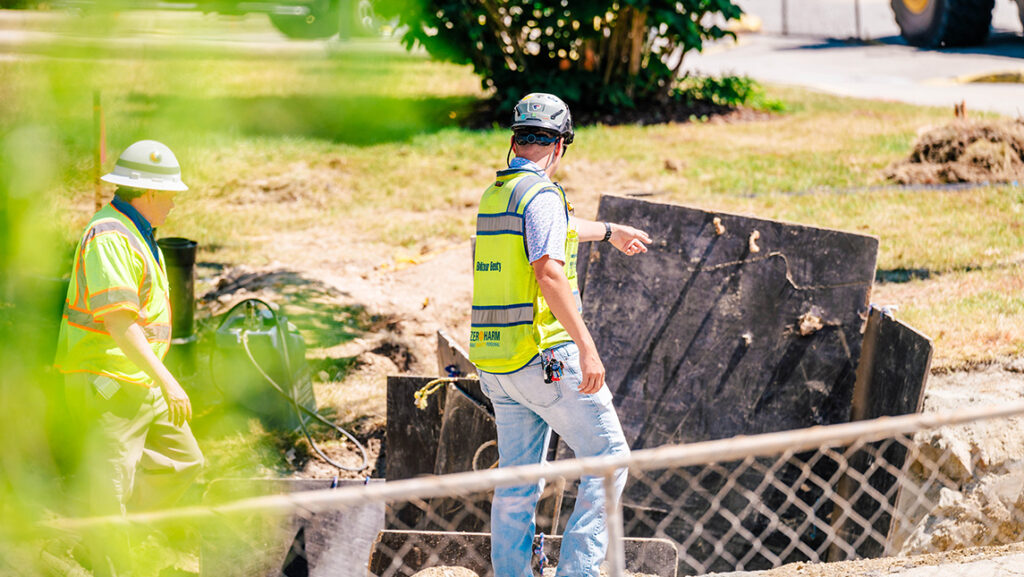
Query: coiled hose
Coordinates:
[299,409]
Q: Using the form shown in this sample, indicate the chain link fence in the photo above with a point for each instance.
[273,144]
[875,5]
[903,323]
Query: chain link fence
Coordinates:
[885,487]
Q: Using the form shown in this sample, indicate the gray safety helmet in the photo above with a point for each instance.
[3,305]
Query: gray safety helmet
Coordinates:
[147,165]
[544,111]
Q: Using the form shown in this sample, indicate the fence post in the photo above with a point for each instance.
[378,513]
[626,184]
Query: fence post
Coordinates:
[856,17]
[613,508]
[785,18]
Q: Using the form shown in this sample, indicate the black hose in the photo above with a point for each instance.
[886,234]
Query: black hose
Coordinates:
[299,409]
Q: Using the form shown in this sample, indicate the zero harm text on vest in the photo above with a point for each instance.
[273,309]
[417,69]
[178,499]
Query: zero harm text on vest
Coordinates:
[491,338]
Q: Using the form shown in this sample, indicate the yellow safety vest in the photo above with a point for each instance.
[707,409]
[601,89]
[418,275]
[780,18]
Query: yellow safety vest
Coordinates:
[114,270]
[511,321]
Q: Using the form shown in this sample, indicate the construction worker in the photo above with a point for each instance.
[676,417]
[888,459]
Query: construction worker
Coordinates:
[536,359]
[139,452]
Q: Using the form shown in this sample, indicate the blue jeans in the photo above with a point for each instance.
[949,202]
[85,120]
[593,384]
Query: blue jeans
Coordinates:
[526,409]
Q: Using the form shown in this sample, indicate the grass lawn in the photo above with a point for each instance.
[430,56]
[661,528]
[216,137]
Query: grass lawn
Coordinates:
[365,138]
[359,147]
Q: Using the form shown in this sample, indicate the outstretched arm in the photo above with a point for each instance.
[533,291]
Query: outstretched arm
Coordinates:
[627,239]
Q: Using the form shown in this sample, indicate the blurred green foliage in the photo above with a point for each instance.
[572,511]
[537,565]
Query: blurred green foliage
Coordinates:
[29,315]
[598,56]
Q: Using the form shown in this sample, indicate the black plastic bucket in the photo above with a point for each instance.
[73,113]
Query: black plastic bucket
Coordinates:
[180,254]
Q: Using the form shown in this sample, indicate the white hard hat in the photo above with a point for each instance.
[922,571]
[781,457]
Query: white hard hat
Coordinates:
[545,111]
[147,165]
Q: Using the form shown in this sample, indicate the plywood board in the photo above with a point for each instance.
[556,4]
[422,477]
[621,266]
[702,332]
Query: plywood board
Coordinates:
[330,543]
[452,358]
[412,437]
[891,380]
[468,441]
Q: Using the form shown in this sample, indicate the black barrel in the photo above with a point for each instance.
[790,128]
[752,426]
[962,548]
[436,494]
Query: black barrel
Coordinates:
[180,254]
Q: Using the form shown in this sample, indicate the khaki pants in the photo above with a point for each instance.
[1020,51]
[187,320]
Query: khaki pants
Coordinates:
[134,459]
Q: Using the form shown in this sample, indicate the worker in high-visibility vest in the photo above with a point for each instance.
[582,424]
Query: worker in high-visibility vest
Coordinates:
[536,359]
[139,452]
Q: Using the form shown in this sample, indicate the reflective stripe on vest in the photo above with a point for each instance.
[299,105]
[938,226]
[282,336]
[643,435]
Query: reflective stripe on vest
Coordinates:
[511,321]
[499,224]
[137,244]
[84,343]
[503,316]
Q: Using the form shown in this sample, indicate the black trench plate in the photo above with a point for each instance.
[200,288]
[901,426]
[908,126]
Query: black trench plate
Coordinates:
[701,340]
[699,336]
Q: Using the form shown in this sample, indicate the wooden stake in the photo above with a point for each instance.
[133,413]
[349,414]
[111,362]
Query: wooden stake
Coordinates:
[99,153]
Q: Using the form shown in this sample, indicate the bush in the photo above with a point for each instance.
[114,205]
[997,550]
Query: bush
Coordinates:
[728,91]
[598,56]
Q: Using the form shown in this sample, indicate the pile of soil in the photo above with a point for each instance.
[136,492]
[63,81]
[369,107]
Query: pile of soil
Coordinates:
[963,152]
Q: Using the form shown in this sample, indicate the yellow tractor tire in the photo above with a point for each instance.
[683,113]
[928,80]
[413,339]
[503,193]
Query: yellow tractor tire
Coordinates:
[944,23]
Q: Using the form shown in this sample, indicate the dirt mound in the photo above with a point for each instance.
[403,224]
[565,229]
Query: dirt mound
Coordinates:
[965,151]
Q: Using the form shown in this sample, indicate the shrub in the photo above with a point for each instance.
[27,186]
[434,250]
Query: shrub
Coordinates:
[729,91]
[598,56]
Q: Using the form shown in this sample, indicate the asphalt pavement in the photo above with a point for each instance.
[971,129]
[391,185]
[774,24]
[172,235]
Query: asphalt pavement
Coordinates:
[818,53]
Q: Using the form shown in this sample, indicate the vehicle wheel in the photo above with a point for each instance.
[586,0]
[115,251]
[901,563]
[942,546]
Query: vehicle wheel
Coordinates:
[321,22]
[933,23]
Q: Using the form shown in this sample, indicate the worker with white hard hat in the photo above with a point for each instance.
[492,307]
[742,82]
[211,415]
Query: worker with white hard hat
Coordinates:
[536,359]
[139,452]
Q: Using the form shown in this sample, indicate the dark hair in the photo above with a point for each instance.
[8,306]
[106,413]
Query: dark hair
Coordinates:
[129,194]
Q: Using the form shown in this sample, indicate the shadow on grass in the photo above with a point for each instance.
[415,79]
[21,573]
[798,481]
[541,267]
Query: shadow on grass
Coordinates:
[902,275]
[359,121]
[315,308]
[240,439]
[332,369]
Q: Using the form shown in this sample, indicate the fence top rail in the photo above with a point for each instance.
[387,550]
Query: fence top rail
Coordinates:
[668,456]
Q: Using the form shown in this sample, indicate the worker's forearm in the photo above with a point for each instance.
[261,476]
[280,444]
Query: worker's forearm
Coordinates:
[558,294]
[130,338]
[589,230]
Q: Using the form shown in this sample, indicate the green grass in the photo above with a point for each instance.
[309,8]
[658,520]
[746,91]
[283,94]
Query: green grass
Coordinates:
[360,147]
[363,142]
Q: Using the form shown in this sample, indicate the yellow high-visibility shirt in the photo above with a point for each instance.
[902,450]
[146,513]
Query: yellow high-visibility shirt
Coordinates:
[114,270]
